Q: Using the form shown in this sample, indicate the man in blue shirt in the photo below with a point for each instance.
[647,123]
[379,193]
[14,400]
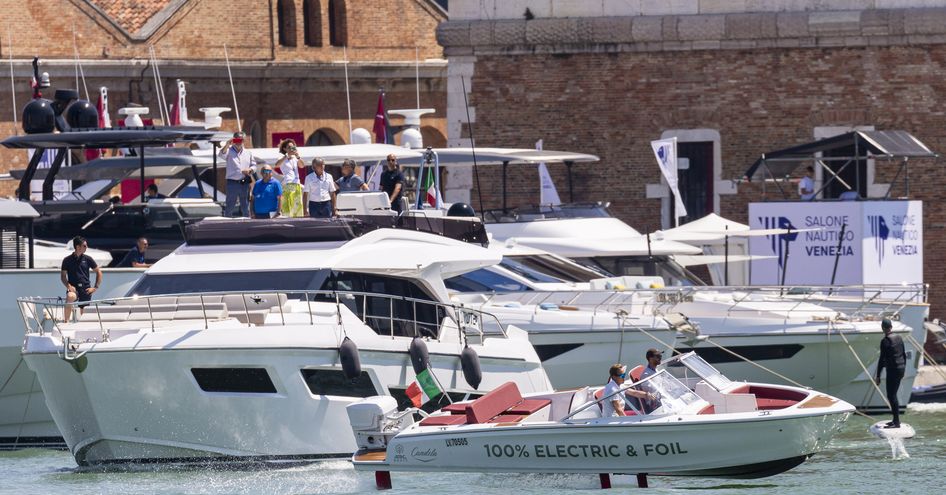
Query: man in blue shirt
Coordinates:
[136,255]
[266,199]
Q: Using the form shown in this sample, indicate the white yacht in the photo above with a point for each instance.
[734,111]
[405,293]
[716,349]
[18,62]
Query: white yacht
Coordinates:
[231,348]
[815,338]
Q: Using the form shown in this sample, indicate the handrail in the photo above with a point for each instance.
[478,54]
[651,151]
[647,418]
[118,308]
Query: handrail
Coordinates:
[452,312]
[861,300]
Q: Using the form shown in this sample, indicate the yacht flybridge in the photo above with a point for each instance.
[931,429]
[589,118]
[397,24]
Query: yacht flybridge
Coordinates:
[231,349]
[701,424]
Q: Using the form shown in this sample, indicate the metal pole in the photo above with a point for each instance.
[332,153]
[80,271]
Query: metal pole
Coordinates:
[32,240]
[837,254]
[215,172]
[571,195]
[785,257]
[141,166]
[726,258]
[650,255]
[505,164]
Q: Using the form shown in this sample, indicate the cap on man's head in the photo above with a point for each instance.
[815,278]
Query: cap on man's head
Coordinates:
[238,135]
[653,353]
[886,324]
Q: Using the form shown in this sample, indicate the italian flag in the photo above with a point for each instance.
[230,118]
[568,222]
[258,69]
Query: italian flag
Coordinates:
[430,188]
[423,389]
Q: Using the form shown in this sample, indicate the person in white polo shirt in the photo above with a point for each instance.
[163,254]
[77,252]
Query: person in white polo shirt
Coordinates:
[613,403]
[318,194]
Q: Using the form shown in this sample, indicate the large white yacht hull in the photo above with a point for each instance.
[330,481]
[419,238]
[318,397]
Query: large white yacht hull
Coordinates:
[24,419]
[142,403]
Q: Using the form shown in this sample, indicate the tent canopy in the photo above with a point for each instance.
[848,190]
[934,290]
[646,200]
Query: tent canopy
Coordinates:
[877,144]
[708,229]
[498,156]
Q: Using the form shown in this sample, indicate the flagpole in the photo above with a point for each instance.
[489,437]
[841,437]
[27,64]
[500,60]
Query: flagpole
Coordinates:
[347,92]
[417,73]
[236,108]
[16,125]
[676,214]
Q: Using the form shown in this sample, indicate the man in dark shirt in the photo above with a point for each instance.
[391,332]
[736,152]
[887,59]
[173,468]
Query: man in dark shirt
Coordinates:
[136,255]
[392,183]
[894,358]
[74,274]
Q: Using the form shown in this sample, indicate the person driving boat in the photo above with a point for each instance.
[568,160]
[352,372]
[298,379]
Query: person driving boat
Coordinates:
[613,405]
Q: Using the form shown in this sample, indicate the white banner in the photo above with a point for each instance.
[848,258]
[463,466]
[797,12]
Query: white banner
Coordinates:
[666,152]
[548,195]
[60,187]
[882,243]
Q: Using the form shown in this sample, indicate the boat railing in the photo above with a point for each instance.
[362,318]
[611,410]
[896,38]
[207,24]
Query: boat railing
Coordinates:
[386,314]
[854,301]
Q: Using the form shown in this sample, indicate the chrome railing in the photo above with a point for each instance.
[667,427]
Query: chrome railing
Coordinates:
[855,301]
[404,316]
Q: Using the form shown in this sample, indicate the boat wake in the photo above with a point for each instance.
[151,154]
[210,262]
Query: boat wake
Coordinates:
[924,407]
[894,438]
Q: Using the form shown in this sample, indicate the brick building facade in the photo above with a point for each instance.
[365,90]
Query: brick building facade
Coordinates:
[732,79]
[286,59]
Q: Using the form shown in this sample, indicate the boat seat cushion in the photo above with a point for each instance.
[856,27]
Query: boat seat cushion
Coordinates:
[768,404]
[445,420]
[636,373]
[456,408]
[528,406]
[493,403]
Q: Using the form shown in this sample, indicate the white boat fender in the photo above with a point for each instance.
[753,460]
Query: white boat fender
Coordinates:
[351,362]
[470,362]
[420,358]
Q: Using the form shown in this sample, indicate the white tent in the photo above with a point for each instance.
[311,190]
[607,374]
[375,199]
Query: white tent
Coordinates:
[710,234]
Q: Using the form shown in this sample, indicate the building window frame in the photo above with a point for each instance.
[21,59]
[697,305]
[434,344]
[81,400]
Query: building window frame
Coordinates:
[286,22]
[337,23]
[312,22]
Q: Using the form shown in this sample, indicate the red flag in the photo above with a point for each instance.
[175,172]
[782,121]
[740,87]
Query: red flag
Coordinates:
[380,124]
[104,121]
[415,394]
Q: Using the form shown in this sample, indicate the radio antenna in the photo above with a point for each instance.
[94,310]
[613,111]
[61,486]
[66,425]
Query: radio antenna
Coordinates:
[476,173]
[232,90]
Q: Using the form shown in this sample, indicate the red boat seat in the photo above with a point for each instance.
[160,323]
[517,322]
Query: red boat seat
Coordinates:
[445,420]
[493,403]
[710,409]
[456,408]
[528,406]
[636,373]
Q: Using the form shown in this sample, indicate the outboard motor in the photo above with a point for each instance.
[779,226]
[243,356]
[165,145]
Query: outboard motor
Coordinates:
[375,420]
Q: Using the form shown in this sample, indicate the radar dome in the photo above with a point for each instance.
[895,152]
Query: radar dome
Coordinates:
[411,138]
[360,135]
[82,114]
[461,210]
[39,117]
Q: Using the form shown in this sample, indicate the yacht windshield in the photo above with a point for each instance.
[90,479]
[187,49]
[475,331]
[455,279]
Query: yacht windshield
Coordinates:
[557,267]
[691,368]
[527,272]
[548,212]
[672,395]
[484,280]
[672,273]
[157,284]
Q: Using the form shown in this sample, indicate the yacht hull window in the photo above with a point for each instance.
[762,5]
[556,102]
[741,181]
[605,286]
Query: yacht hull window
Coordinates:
[715,355]
[333,382]
[183,283]
[558,268]
[234,380]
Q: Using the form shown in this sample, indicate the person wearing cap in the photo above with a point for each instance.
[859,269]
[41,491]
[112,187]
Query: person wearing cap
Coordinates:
[240,169]
[893,357]
[266,198]
[613,403]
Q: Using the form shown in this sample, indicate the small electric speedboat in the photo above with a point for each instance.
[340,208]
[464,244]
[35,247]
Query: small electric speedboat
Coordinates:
[701,424]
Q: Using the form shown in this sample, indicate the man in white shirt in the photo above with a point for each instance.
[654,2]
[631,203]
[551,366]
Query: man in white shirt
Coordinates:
[613,403]
[318,193]
[806,186]
[240,169]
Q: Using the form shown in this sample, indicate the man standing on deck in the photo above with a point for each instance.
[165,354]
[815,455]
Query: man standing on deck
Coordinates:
[240,169]
[894,358]
[392,183]
[74,274]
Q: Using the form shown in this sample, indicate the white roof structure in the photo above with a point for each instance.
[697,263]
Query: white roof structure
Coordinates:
[391,251]
[705,230]
[333,155]
[497,156]
[17,209]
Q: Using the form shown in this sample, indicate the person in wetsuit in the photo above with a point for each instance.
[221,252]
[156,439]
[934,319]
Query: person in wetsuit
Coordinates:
[894,358]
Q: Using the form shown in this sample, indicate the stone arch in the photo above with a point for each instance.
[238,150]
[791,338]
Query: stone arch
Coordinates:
[433,137]
[324,137]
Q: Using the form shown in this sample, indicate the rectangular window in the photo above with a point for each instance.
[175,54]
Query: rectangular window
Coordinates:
[334,382]
[240,380]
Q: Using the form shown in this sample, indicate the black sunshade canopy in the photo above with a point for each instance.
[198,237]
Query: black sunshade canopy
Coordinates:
[879,144]
[115,137]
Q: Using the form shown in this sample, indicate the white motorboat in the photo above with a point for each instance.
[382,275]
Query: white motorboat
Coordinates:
[229,349]
[703,425]
[817,337]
